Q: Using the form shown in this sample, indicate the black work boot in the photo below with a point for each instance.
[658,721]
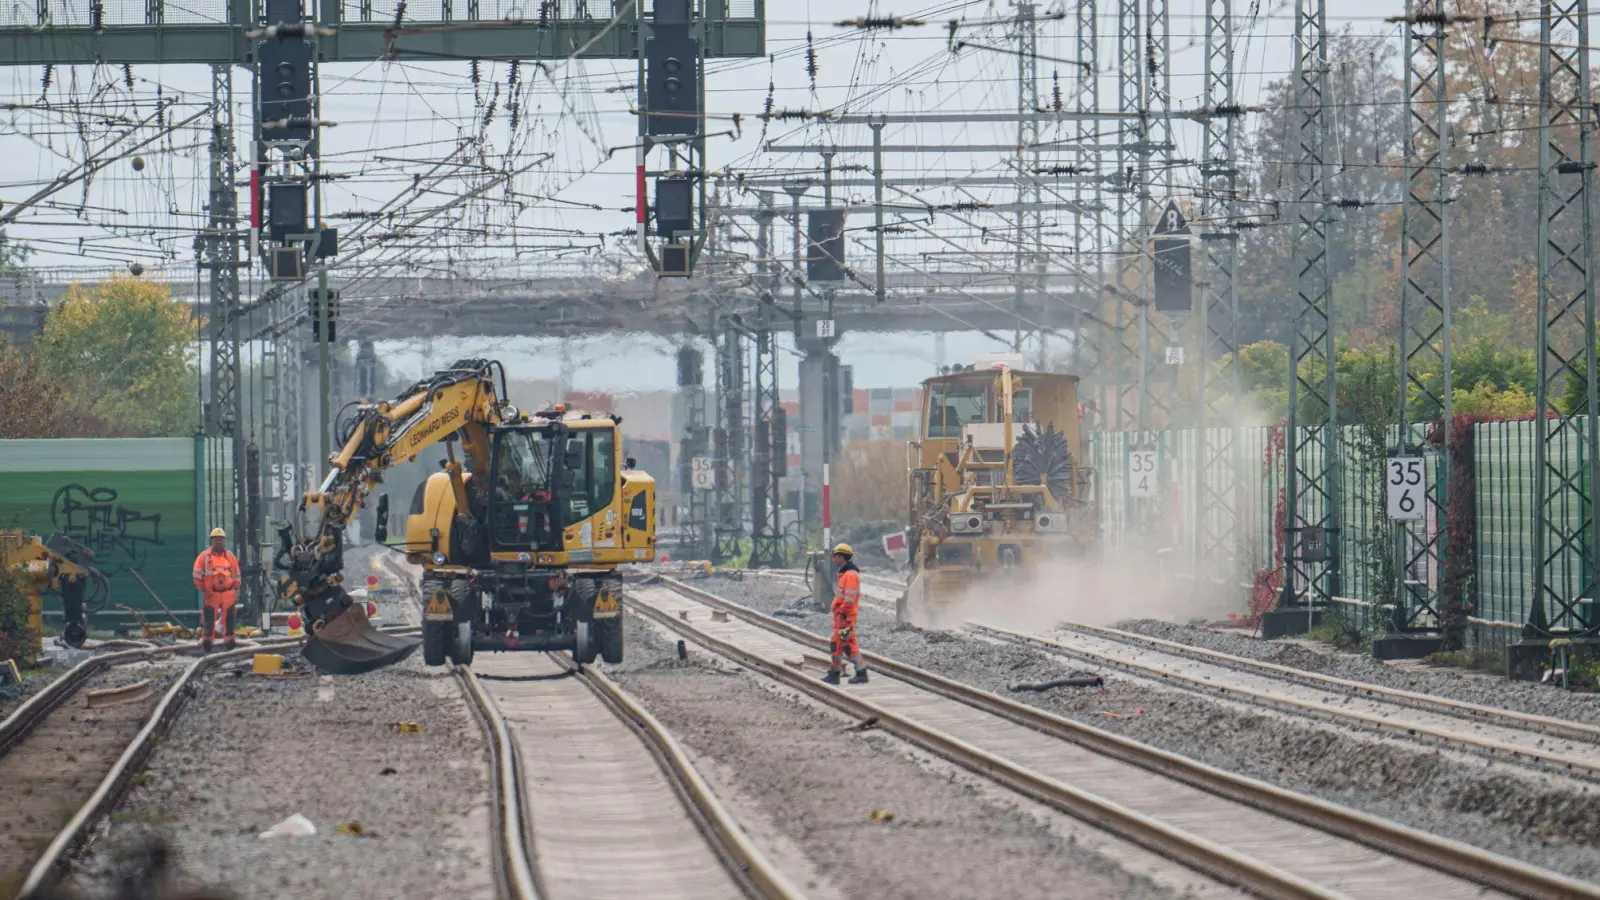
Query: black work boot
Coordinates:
[860,677]
[832,677]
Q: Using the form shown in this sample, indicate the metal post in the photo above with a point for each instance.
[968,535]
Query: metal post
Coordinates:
[877,203]
[1566,543]
[1088,225]
[766,542]
[1027,157]
[1312,486]
[1155,335]
[1130,216]
[1424,305]
[221,260]
[1217,550]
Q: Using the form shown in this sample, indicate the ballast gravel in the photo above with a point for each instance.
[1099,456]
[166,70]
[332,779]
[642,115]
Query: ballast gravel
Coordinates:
[868,821]
[399,812]
[1547,822]
[1468,687]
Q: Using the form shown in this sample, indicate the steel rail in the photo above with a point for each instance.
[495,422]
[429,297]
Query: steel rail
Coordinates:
[1576,765]
[744,858]
[1508,717]
[1445,855]
[517,871]
[115,783]
[1191,850]
[49,698]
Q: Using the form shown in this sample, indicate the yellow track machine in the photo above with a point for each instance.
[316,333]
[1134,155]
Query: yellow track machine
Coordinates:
[996,488]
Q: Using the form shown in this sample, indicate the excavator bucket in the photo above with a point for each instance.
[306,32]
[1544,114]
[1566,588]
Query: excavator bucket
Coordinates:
[349,645]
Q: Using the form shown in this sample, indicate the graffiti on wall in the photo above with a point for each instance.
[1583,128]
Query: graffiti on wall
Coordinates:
[120,537]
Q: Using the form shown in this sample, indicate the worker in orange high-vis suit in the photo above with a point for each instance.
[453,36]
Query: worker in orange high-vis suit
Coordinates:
[216,576]
[846,609]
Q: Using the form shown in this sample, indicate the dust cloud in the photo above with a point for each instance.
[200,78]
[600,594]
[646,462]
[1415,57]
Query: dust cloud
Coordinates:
[1114,588]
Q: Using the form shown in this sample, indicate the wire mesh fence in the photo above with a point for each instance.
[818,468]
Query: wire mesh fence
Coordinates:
[1373,564]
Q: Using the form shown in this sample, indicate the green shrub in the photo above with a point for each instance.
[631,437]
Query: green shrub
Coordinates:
[17,640]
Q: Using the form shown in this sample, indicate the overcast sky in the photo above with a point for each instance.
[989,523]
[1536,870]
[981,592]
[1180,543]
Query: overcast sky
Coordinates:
[395,118]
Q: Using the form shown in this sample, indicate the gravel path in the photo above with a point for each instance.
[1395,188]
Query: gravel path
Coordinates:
[1543,821]
[1469,687]
[249,751]
[805,784]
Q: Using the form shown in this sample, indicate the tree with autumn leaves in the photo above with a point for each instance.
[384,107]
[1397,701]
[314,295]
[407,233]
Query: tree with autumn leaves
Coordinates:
[116,359]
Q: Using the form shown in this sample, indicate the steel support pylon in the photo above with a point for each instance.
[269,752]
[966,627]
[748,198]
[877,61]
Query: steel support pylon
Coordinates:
[1030,219]
[1133,210]
[1424,376]
[766,536]
[693,447]
[1311,485]
[1218,551]
[1089,355]
[1158,394]
[728,440]
[1566,543]
[224,415]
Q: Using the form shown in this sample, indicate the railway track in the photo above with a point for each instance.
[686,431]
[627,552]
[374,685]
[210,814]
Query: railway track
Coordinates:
[1254,836]
[1567,747]
[594,798]
[71,750]
[1542,742]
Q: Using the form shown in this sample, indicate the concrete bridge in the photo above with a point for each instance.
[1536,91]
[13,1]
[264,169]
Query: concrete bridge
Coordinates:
[393,308]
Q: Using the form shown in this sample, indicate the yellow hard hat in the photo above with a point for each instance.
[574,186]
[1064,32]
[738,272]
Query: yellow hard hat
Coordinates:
[844,548]
[218,533]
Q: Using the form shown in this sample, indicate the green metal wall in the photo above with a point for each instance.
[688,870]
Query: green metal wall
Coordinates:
[143,505]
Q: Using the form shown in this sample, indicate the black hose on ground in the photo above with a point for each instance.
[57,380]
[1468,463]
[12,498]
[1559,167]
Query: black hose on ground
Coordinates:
[1072,681]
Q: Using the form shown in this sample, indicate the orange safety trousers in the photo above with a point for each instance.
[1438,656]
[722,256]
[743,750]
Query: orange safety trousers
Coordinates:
[846,607]
[216,576]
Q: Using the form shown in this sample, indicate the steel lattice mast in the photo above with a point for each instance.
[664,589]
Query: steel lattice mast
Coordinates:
[1566,543]
[1311,439]
[1424,375]
[1088,224]
[1217,549]
[1132,209]
[1157,392]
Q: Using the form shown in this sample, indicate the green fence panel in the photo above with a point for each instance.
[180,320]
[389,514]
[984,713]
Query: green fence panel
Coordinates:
[137,503]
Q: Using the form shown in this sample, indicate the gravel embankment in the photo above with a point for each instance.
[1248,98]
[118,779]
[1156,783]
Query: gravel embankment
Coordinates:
[249,751]
[1468,687]
[814,787]
[33,681]
[1523,815]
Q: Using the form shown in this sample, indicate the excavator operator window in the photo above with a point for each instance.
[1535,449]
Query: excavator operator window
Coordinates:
[520,507]
[595,484]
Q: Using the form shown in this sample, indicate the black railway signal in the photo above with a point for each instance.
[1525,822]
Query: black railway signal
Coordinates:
[285,71]
[672,81]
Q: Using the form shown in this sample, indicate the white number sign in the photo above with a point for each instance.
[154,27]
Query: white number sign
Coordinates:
[1407,488]
[825,328]
[1141,473]
[701,476]
[1174,356]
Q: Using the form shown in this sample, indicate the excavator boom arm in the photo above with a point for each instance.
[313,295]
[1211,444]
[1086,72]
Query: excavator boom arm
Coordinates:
[461,399]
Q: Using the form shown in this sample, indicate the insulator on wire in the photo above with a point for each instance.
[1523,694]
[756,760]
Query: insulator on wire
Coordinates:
[127,75]
[1055,89]
[1474,169]
[399,13]
[45,79]
[811,61]
[97,16]
[1349,203]
[512,72]
[488,113]
[477,76]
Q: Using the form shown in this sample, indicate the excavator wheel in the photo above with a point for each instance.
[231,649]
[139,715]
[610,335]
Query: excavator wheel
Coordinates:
[609,638]
[436,636]
[459,645]
[587,647]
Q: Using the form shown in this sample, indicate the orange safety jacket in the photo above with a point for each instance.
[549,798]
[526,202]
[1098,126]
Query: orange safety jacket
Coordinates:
[217,576]
[847,592]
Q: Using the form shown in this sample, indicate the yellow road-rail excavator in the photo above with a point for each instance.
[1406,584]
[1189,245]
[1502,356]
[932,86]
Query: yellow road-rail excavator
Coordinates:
[60,564]
[520,539]
[996,488]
